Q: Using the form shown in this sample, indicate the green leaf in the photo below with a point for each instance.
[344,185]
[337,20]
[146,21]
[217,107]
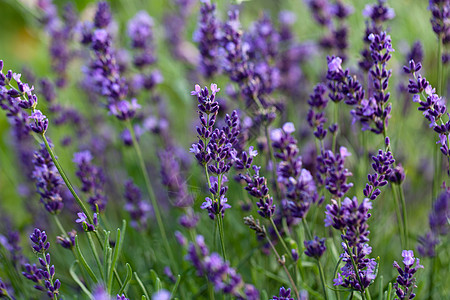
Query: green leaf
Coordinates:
[144,290]
[127,279]
[83,261]
[175,287]
[77,279]
[118,246]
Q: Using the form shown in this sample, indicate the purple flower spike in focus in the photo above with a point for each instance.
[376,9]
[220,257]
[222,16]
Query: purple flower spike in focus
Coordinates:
[285,294]
[39,123]
[215,149]
[315,248]
[42,276]
[405,282]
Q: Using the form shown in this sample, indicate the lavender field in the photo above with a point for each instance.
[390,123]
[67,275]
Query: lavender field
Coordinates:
[206,149]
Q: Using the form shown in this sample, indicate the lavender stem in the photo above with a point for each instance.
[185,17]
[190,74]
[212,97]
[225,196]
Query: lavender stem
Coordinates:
[150,192]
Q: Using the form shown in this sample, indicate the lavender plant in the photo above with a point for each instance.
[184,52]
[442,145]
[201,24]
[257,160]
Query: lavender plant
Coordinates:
[284,149]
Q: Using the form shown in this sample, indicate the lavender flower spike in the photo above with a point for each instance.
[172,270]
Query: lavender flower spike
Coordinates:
[405,282]
[43,276]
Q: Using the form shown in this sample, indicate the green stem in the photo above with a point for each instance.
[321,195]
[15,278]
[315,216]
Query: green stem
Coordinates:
[283,264]
[279,237]
[307,230]
[355,267]
[431,278]
[405,219]
[221,233]
[272,159]
[336,119]
[322,279]
[151,193]
[399,217]
[94,252]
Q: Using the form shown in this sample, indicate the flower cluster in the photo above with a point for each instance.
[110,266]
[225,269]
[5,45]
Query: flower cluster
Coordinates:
[373,113]
[257,186]
[297,183]
[382,165]
[140,31]
[103,73]
[219,273]
[138,209]
[324,13]
[208,38]
[438,221]
[433,106]
[49,183]
[285,294]
[44,275]
[61,32]
[440,12]
[92,179]
[332,172]
[315,248]
[405,282]
[83,220]
[351,218]
[376,14]
[316,114]
[215,147]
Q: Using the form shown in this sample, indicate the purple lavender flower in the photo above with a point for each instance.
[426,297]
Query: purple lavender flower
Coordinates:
[49,183]
[215,147]
[332,172]
[82,219]
[92,179]
[224,278]
[68,241]
[351,217]
[140,31]
[208,38]
[438,221]
[43,276]
[138,209]
[285,294]
[40,122]
[433,106]
[121,297]
[405,282]
[297,183]
[377,14]
[440,12]
[172,178]
[102,75]
[374,113]
[383,167]
[162,295]
[315,248]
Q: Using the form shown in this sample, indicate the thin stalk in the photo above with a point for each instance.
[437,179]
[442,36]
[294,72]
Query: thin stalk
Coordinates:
[94,252]
[399,217]
[283,264]
[322,279]
[405,218]
[272,159]
[431,278]
[355,268]
[151,193]
[307,230]
[336,119]
[221,234]
[279,237]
